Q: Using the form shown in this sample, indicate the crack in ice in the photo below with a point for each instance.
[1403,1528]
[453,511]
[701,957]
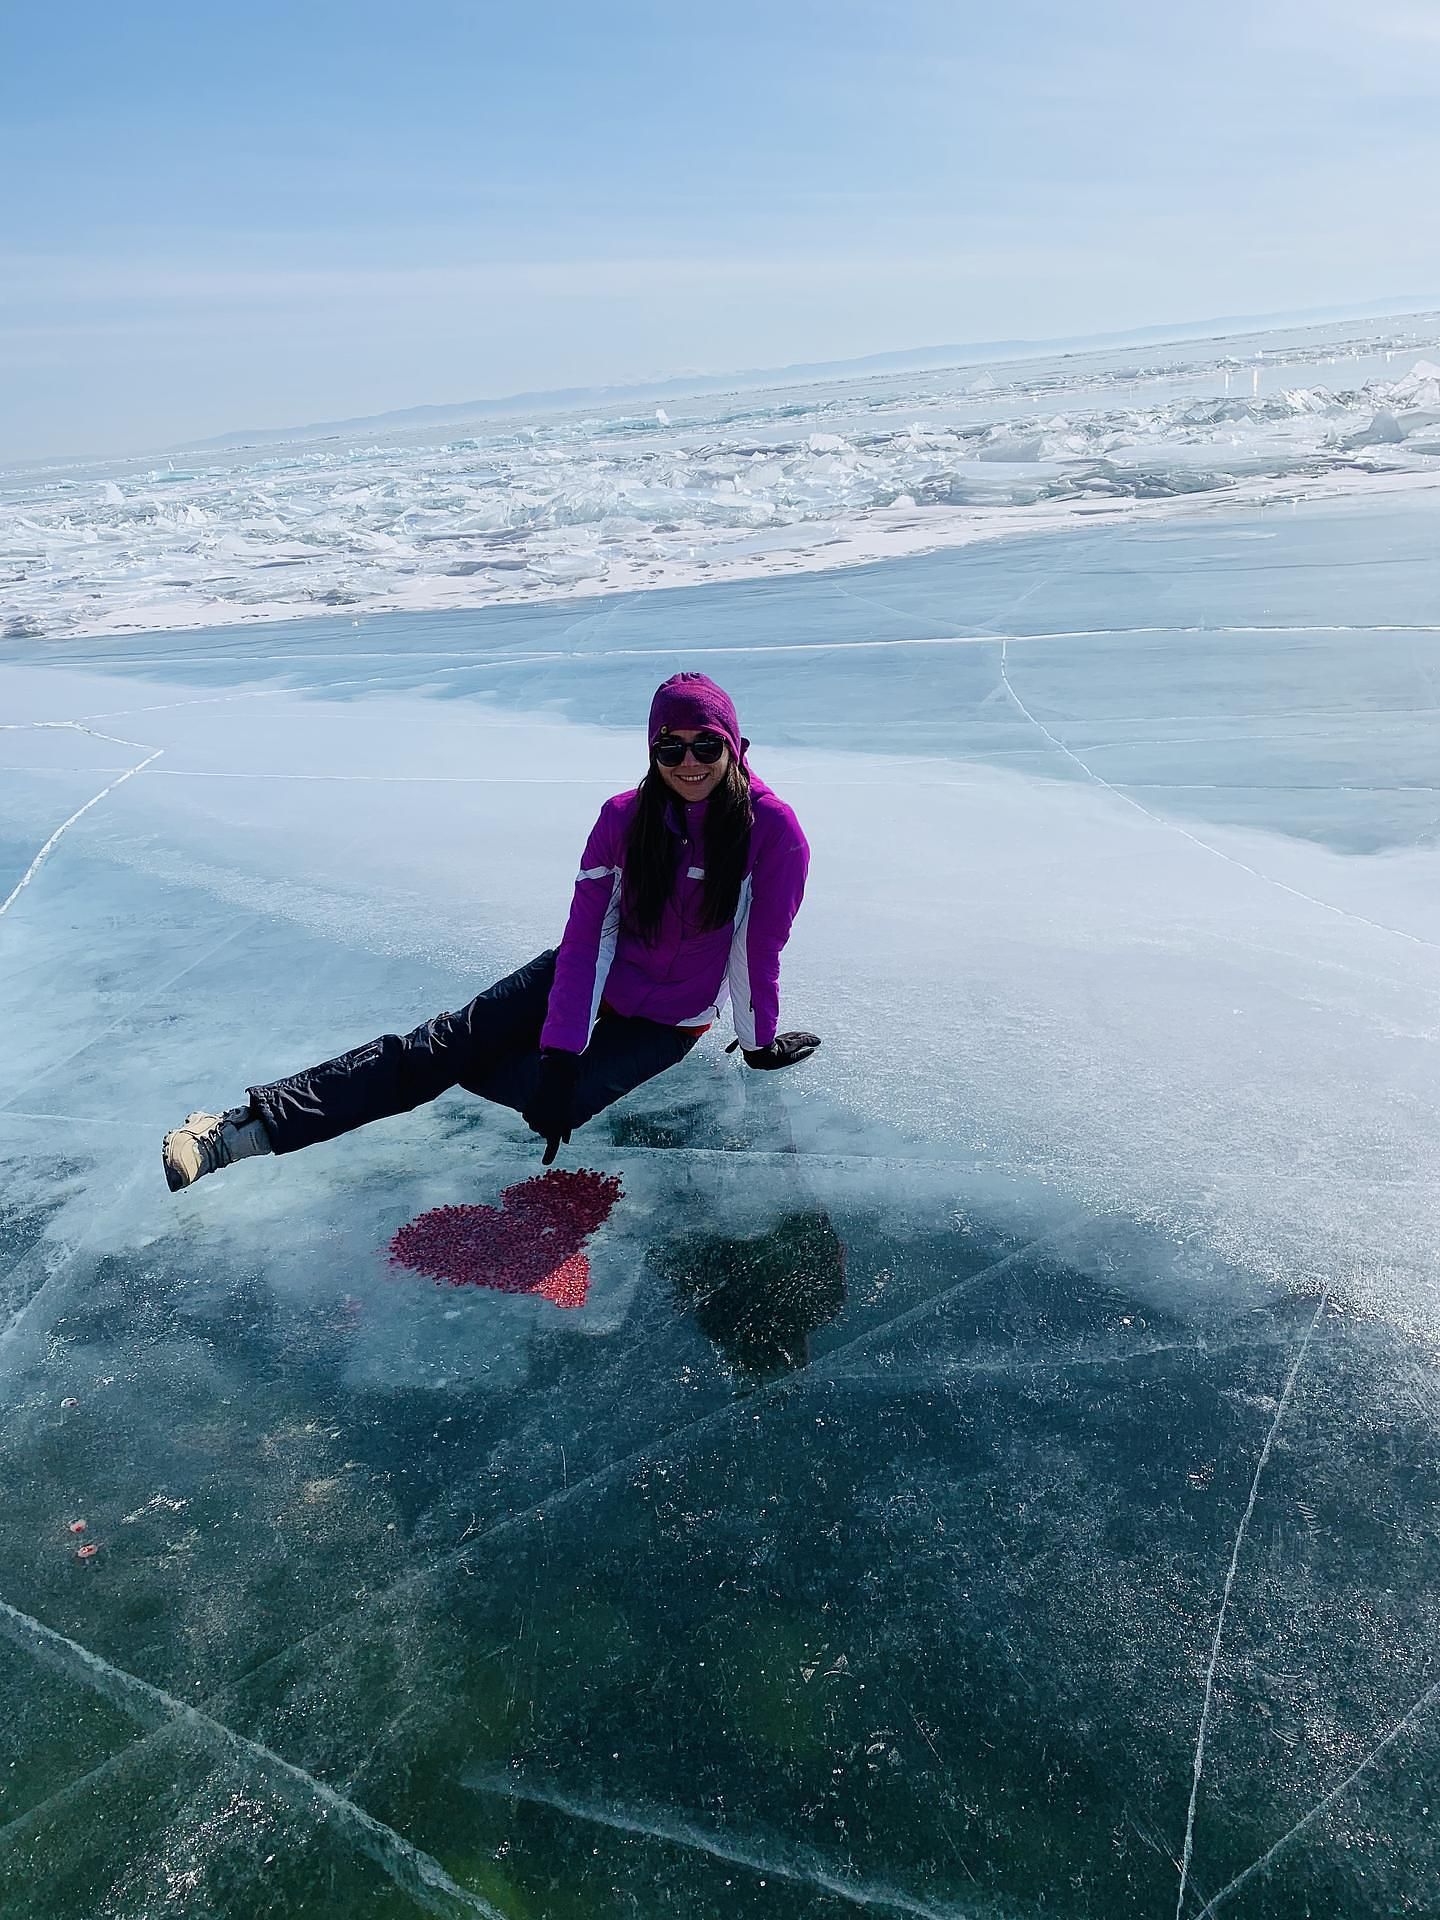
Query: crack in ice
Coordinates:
[548,1503]
[1260,1465]
[49,847]
[548,656]
[1173,826]
[132,1008]
[655,1825]
[927,1378]
[1430,1694]
[416,1873]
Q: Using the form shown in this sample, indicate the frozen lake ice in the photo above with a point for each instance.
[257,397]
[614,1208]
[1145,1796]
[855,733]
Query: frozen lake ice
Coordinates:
[471,509]
[994,1469]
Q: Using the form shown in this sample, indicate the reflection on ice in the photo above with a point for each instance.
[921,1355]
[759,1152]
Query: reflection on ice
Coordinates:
[993,1476]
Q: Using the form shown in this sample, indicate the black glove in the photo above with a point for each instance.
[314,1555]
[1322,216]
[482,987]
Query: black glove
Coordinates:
[783,1051]
[550,1108]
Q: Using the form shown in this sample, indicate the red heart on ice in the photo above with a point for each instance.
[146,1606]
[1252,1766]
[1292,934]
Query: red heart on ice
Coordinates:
[532,1246]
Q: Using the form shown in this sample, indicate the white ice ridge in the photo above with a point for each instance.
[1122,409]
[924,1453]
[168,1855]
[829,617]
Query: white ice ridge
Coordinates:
[518,508]
[417,1874]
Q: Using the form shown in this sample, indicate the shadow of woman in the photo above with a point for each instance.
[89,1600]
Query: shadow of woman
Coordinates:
[759,1300]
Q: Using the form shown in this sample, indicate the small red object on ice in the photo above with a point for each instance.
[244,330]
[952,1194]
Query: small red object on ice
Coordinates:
[86,1553]
[77,1526]
[532,1246]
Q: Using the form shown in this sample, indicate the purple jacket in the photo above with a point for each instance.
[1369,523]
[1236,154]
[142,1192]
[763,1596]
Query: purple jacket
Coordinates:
[687,977]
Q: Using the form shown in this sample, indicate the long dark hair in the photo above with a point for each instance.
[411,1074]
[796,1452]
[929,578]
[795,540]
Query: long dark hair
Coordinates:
[652,852]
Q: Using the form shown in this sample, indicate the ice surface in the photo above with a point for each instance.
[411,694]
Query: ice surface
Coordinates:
[993,1469]
[476,512]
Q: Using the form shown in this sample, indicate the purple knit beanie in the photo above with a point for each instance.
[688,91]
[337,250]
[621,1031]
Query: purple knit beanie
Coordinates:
[692,700]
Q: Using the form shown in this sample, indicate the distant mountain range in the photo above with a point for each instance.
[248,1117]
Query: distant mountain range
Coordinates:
[975,353]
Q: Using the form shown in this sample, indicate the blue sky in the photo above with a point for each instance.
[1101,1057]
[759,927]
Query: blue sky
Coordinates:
[220,217]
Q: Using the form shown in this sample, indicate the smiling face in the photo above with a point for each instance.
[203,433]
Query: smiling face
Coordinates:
[690,780]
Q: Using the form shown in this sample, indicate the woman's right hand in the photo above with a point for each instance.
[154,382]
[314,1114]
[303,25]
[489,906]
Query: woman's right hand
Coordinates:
[550,1108]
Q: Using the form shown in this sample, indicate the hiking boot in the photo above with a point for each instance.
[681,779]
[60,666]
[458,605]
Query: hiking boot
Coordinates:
[211,1140]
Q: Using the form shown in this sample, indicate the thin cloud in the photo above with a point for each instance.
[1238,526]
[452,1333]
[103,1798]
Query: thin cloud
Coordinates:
[37,279]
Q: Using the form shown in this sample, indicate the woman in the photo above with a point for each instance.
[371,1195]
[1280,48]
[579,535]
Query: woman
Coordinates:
[687,890]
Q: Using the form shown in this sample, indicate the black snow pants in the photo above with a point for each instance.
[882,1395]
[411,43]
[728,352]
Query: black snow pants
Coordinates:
[491,1048]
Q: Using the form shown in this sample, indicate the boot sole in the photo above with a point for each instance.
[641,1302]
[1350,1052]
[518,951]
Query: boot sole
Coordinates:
[174,1178]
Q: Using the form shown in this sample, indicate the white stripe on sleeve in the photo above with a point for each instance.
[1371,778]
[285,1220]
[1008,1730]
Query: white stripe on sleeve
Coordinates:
[737,972]
[609,934]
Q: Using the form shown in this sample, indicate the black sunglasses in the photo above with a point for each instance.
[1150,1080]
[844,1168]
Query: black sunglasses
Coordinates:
[707,749]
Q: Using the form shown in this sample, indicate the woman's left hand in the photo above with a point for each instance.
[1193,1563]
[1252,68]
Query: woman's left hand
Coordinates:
[783,1051]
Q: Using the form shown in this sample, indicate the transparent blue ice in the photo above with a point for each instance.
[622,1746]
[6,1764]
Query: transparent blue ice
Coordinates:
[1067,1547]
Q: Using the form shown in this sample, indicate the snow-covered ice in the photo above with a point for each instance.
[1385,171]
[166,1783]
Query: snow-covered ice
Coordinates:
[482,510]
[993,1471]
